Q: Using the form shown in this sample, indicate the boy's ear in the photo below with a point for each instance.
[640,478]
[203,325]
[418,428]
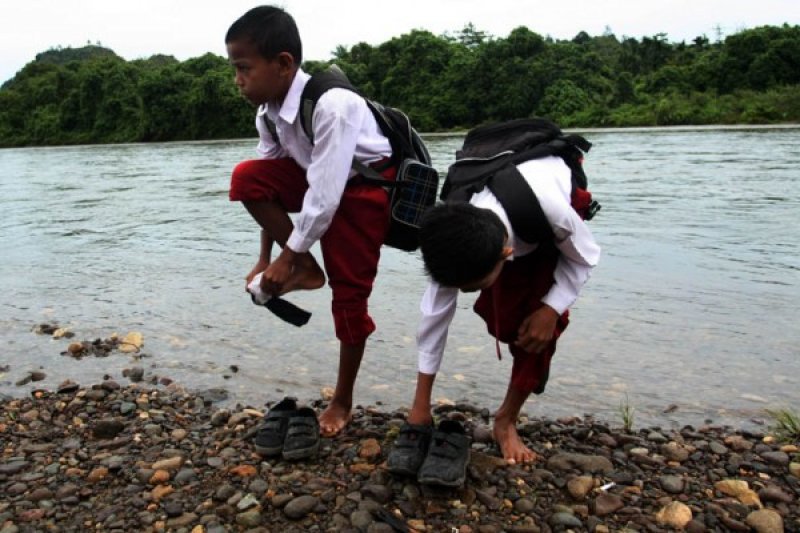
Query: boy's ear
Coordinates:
[286,61]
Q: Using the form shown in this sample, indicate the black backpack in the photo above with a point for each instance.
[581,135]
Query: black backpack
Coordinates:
[489,158]
[415,186]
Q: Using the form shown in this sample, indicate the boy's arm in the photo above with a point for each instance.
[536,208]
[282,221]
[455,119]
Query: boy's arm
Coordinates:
[338,119]
[579,253]
[438,306]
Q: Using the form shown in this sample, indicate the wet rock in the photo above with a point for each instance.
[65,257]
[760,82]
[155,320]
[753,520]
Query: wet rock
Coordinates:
[251,518]
[300,506]
[564,519]
[607,503]
[671,484]
[585,463]
[776,458]
[107,429]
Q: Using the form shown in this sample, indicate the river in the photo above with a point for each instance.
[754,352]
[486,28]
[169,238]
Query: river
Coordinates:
[690,316]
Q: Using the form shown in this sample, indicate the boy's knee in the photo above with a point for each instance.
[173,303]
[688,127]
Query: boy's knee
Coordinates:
[352,326]
[247,182]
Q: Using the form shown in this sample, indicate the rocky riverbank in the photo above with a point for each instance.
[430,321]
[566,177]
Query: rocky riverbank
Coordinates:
[157,458]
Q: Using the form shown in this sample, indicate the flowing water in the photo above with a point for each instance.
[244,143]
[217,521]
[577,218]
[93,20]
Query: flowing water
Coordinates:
[690,316]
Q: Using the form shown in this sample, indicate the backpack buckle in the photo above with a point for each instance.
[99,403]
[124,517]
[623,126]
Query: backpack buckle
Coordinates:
[592,210]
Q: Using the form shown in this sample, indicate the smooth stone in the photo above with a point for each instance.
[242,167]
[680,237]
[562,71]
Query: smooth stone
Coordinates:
[300,506]
[586,463]
[565,520]
[580,486]
[776,458]
[672,484]
[717,448]
[765,521]
[524,505]
[247,502]
[361,520]
[606,504]
[251,518]
[675,514]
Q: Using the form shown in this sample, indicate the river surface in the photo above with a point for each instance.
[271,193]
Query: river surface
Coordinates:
[690,317]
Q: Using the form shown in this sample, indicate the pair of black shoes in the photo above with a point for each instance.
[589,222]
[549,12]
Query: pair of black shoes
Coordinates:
[289,431]
[435,456]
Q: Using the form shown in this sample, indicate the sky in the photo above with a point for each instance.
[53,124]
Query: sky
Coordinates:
[189,28]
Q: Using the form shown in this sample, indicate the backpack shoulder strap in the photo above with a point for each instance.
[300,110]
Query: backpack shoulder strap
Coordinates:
[270,124]
[521,205]
[317,85]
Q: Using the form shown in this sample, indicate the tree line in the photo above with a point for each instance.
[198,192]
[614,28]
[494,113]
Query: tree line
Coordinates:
[444,82]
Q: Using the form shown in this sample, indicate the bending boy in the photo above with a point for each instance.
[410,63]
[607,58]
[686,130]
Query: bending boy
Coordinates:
[349,219]
[526,290]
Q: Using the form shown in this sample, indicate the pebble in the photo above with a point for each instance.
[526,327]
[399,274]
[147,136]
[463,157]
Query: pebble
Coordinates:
[300,506]
[134,458]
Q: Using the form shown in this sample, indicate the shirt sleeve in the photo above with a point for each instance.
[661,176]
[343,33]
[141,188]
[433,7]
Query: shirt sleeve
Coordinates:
[338,119]
[573,238]
[438,306]
[579,255]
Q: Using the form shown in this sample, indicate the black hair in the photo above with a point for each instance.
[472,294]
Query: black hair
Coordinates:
[460,243]
[271,29]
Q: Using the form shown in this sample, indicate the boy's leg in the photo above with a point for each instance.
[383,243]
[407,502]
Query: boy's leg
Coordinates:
[420,413]
[515,295]
[269,190]
[337,415]
[351,250]
[505,428]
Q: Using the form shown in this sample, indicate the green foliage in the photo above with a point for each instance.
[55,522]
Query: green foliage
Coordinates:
[786,424]
[626,413]
[447,82]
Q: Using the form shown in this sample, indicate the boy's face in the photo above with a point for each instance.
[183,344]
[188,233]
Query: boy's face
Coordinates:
[489,279]
[260,80]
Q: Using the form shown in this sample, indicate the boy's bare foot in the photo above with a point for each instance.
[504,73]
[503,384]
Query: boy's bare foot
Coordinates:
[334,419]
[514,450]
[306,276]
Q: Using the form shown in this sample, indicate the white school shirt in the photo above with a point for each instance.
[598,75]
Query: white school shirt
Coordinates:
[549,178]
[343,126]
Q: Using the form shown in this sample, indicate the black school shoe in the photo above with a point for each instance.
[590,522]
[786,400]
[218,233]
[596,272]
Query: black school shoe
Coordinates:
[302,435]
[448,455]
[271,435]
[410,449]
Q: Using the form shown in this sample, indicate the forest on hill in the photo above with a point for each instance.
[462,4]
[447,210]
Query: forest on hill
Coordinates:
[445,83]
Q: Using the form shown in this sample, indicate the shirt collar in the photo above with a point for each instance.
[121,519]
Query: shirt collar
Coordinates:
[291,104]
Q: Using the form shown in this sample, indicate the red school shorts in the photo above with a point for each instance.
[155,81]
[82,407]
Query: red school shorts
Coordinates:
[351,246]
[516,294]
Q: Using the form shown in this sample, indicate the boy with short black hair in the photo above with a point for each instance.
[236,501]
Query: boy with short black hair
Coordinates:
[526,290]
[348,218]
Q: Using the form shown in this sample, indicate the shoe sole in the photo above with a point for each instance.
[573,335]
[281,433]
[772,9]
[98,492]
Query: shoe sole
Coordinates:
[268,452]
[301,453]
[441,482]
[402,471]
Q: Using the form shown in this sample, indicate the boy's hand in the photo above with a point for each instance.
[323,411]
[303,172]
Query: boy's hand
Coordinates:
[260,267]
[537,330]
[278,272]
